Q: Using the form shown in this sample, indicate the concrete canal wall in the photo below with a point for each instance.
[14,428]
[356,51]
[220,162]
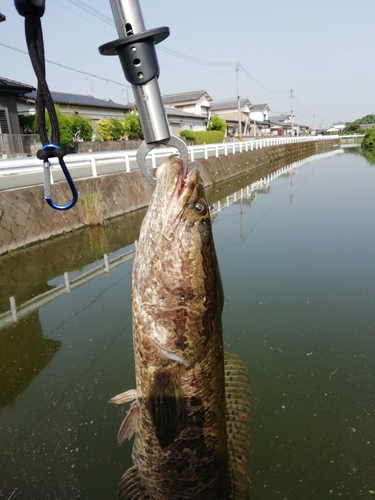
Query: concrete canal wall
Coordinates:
[26,219]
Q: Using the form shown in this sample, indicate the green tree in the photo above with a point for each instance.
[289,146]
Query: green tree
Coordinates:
[131,126]
[367,119]
[217,123]
[352,128]
[103,129]
[28,124]
[109,129]
[65,125]
[116,129]
[368,143]
[82,128]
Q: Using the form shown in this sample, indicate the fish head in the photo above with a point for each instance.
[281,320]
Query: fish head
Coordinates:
[180,198]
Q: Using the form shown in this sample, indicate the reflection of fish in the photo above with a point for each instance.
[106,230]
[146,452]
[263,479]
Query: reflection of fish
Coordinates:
[192,407]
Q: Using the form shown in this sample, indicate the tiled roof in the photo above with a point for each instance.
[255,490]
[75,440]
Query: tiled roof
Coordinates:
[278,118]
[232,104]
[185,96]
[169,111]
[11,85]
[259,107]
[81,100]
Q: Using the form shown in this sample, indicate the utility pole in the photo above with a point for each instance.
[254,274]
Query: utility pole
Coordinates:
[238,104]
[314,124]
[291,113]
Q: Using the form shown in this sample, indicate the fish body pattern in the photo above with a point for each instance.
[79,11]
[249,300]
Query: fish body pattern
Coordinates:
[191,408]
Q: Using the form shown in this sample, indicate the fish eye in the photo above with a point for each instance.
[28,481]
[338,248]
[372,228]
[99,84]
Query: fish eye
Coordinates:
[200,207]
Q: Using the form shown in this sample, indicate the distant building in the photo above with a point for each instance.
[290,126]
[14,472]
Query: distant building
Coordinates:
[281,125]
[259,122]
[181,120]
[336,128]
[86,106]
[196,102]
[259,112]
[228,110]
[9,92]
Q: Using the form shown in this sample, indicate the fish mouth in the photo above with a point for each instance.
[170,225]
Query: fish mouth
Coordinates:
[182,191]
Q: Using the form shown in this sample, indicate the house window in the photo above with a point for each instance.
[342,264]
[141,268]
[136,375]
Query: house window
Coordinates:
[4,121]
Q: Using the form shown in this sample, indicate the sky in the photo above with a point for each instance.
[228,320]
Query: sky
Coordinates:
[322,50]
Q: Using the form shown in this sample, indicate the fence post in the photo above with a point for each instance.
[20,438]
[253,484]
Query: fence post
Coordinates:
[67,281]
[93,166]
[153,159]
[127,162]
[13,308]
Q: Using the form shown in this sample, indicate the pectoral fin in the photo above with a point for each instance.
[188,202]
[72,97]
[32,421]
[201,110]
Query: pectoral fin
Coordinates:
[129,424]
[166,404]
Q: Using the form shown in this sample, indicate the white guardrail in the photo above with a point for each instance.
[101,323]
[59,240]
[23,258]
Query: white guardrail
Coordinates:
[247,194]
[22,172]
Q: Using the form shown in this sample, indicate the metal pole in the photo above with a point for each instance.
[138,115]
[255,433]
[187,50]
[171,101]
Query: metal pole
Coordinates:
[238,104]
[129,21]
[291,113]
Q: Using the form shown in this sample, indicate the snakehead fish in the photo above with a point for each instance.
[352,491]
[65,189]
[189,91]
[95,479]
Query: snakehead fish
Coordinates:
[191,409]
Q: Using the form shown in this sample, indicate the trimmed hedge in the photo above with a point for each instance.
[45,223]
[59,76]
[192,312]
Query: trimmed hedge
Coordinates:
[203,136]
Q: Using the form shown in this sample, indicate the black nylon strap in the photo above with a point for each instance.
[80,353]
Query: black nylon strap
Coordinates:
[34,40]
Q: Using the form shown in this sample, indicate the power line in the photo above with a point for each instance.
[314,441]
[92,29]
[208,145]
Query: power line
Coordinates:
[87,8]
[268,89]
[90,10]
[302,106]
[68,67]
[82,17]
[194,59]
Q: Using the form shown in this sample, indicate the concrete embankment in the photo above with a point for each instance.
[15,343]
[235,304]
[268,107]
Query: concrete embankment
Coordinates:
[26,219]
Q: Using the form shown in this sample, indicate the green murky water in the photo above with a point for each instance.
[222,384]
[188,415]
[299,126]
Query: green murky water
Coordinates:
[298,267]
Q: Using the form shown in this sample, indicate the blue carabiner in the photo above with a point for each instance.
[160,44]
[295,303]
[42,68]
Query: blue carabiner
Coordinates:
[47,182]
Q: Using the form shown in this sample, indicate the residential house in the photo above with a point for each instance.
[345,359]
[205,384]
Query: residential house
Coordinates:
[90,107]
[283,124]
[259,122]
[259,112]
[9,92]
[181,120]
[336,128]
[196,102]
[234,111]
[10,139]
[86,106]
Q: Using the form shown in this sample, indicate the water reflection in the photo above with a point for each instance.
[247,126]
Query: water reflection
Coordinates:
[299,310]
[84,248]
[24,353]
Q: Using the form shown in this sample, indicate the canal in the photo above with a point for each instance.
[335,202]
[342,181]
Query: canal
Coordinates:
[297,256]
